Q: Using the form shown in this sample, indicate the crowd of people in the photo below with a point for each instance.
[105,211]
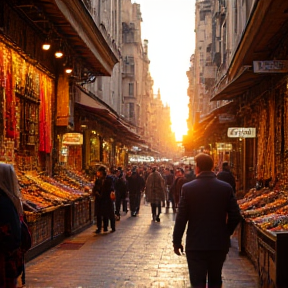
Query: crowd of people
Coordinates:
[114,188]
[205,202]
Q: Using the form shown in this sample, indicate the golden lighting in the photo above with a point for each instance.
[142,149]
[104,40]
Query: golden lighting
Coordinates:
[46,46]
[59,54]
[68,70]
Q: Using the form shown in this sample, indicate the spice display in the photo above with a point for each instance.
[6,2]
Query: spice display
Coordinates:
[267,209]
[42,192]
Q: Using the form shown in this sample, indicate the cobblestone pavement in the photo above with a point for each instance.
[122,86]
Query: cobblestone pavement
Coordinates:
[138,255]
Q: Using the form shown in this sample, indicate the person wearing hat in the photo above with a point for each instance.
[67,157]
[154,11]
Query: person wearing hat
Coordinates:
[104,206]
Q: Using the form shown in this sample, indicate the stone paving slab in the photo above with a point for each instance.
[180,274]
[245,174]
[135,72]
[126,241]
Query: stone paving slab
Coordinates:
[138,255]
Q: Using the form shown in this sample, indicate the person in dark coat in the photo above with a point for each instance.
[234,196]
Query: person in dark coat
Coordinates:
[175,190]
[227,176]
[120,191]
[136,185]
[104,206]
[210,209]
[155,192]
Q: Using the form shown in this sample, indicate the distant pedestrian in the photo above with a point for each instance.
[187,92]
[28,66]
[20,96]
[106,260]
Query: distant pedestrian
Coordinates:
[210,209]
[176,187]
[189,173]
[227,176]
[169,179]
[121,193]
[136,185]
[104,206]
[155,193]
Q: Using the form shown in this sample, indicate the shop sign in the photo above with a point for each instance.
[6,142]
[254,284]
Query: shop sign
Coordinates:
[273,66]
[72,139]
[238,132]
[226,118]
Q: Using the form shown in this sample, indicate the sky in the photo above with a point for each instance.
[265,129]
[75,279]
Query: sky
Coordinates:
[168,25]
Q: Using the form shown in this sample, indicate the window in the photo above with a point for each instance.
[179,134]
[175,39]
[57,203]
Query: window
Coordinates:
[131,110]
[131,89]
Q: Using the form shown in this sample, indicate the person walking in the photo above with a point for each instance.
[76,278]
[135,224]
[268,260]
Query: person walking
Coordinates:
[227,176]
[169,178]
[120,191]
[155,192]
[104,206]
[176,187]
[210,209]
[136,185]
[11,212]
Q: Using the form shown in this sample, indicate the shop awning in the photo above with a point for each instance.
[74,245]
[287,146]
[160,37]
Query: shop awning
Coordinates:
[241,83]
[112,121]
[262,34]
[72,19]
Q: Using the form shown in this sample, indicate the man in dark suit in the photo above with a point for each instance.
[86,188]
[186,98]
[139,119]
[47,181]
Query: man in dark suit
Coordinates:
[210,208]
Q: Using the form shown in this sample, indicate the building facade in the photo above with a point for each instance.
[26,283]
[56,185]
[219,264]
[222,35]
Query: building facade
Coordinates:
[248,90]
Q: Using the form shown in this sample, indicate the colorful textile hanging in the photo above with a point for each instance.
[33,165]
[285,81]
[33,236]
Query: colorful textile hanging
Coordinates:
[62,101]
[10,97]
[45,140]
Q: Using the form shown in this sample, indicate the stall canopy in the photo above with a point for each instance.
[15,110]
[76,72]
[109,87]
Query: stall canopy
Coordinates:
[241,83]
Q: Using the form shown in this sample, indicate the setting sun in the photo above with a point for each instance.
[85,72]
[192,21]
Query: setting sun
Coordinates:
[171,44]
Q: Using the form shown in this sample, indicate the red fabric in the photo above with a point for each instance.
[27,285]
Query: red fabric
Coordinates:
[42,121]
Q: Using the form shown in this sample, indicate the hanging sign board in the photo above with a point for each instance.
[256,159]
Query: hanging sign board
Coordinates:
[273,66]
[226,118]
[72,139]
[238,132]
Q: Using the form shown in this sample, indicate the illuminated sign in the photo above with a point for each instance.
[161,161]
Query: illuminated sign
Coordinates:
[238,132]
[72,139]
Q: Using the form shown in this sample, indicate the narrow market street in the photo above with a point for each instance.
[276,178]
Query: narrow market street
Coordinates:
[138,254]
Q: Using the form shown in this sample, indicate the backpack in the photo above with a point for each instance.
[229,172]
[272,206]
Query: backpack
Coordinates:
[26,239]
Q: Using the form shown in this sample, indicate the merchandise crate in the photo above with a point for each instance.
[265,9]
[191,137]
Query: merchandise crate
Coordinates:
[81,213]
[41,229]
[249,241]
[273,259]
[58,221]
[269,254]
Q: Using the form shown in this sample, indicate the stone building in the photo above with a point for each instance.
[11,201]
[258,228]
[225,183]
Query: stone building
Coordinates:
[249,90]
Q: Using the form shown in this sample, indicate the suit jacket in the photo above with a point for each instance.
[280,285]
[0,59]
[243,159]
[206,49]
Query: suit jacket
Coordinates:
[210,208]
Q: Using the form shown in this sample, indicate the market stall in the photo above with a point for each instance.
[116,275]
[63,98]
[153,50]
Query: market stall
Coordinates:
[55,207]
[264,234]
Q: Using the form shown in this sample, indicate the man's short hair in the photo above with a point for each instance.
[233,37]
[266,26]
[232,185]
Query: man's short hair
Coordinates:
[204,162]
[225,164]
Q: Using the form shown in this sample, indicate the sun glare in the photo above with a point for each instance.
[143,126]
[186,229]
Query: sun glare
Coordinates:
[179,124]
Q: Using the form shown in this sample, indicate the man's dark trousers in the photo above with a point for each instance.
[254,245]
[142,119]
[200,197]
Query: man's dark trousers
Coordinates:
[202,263]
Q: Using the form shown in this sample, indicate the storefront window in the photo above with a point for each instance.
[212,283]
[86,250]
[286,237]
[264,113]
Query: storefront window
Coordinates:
[107,150]
[94,149]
